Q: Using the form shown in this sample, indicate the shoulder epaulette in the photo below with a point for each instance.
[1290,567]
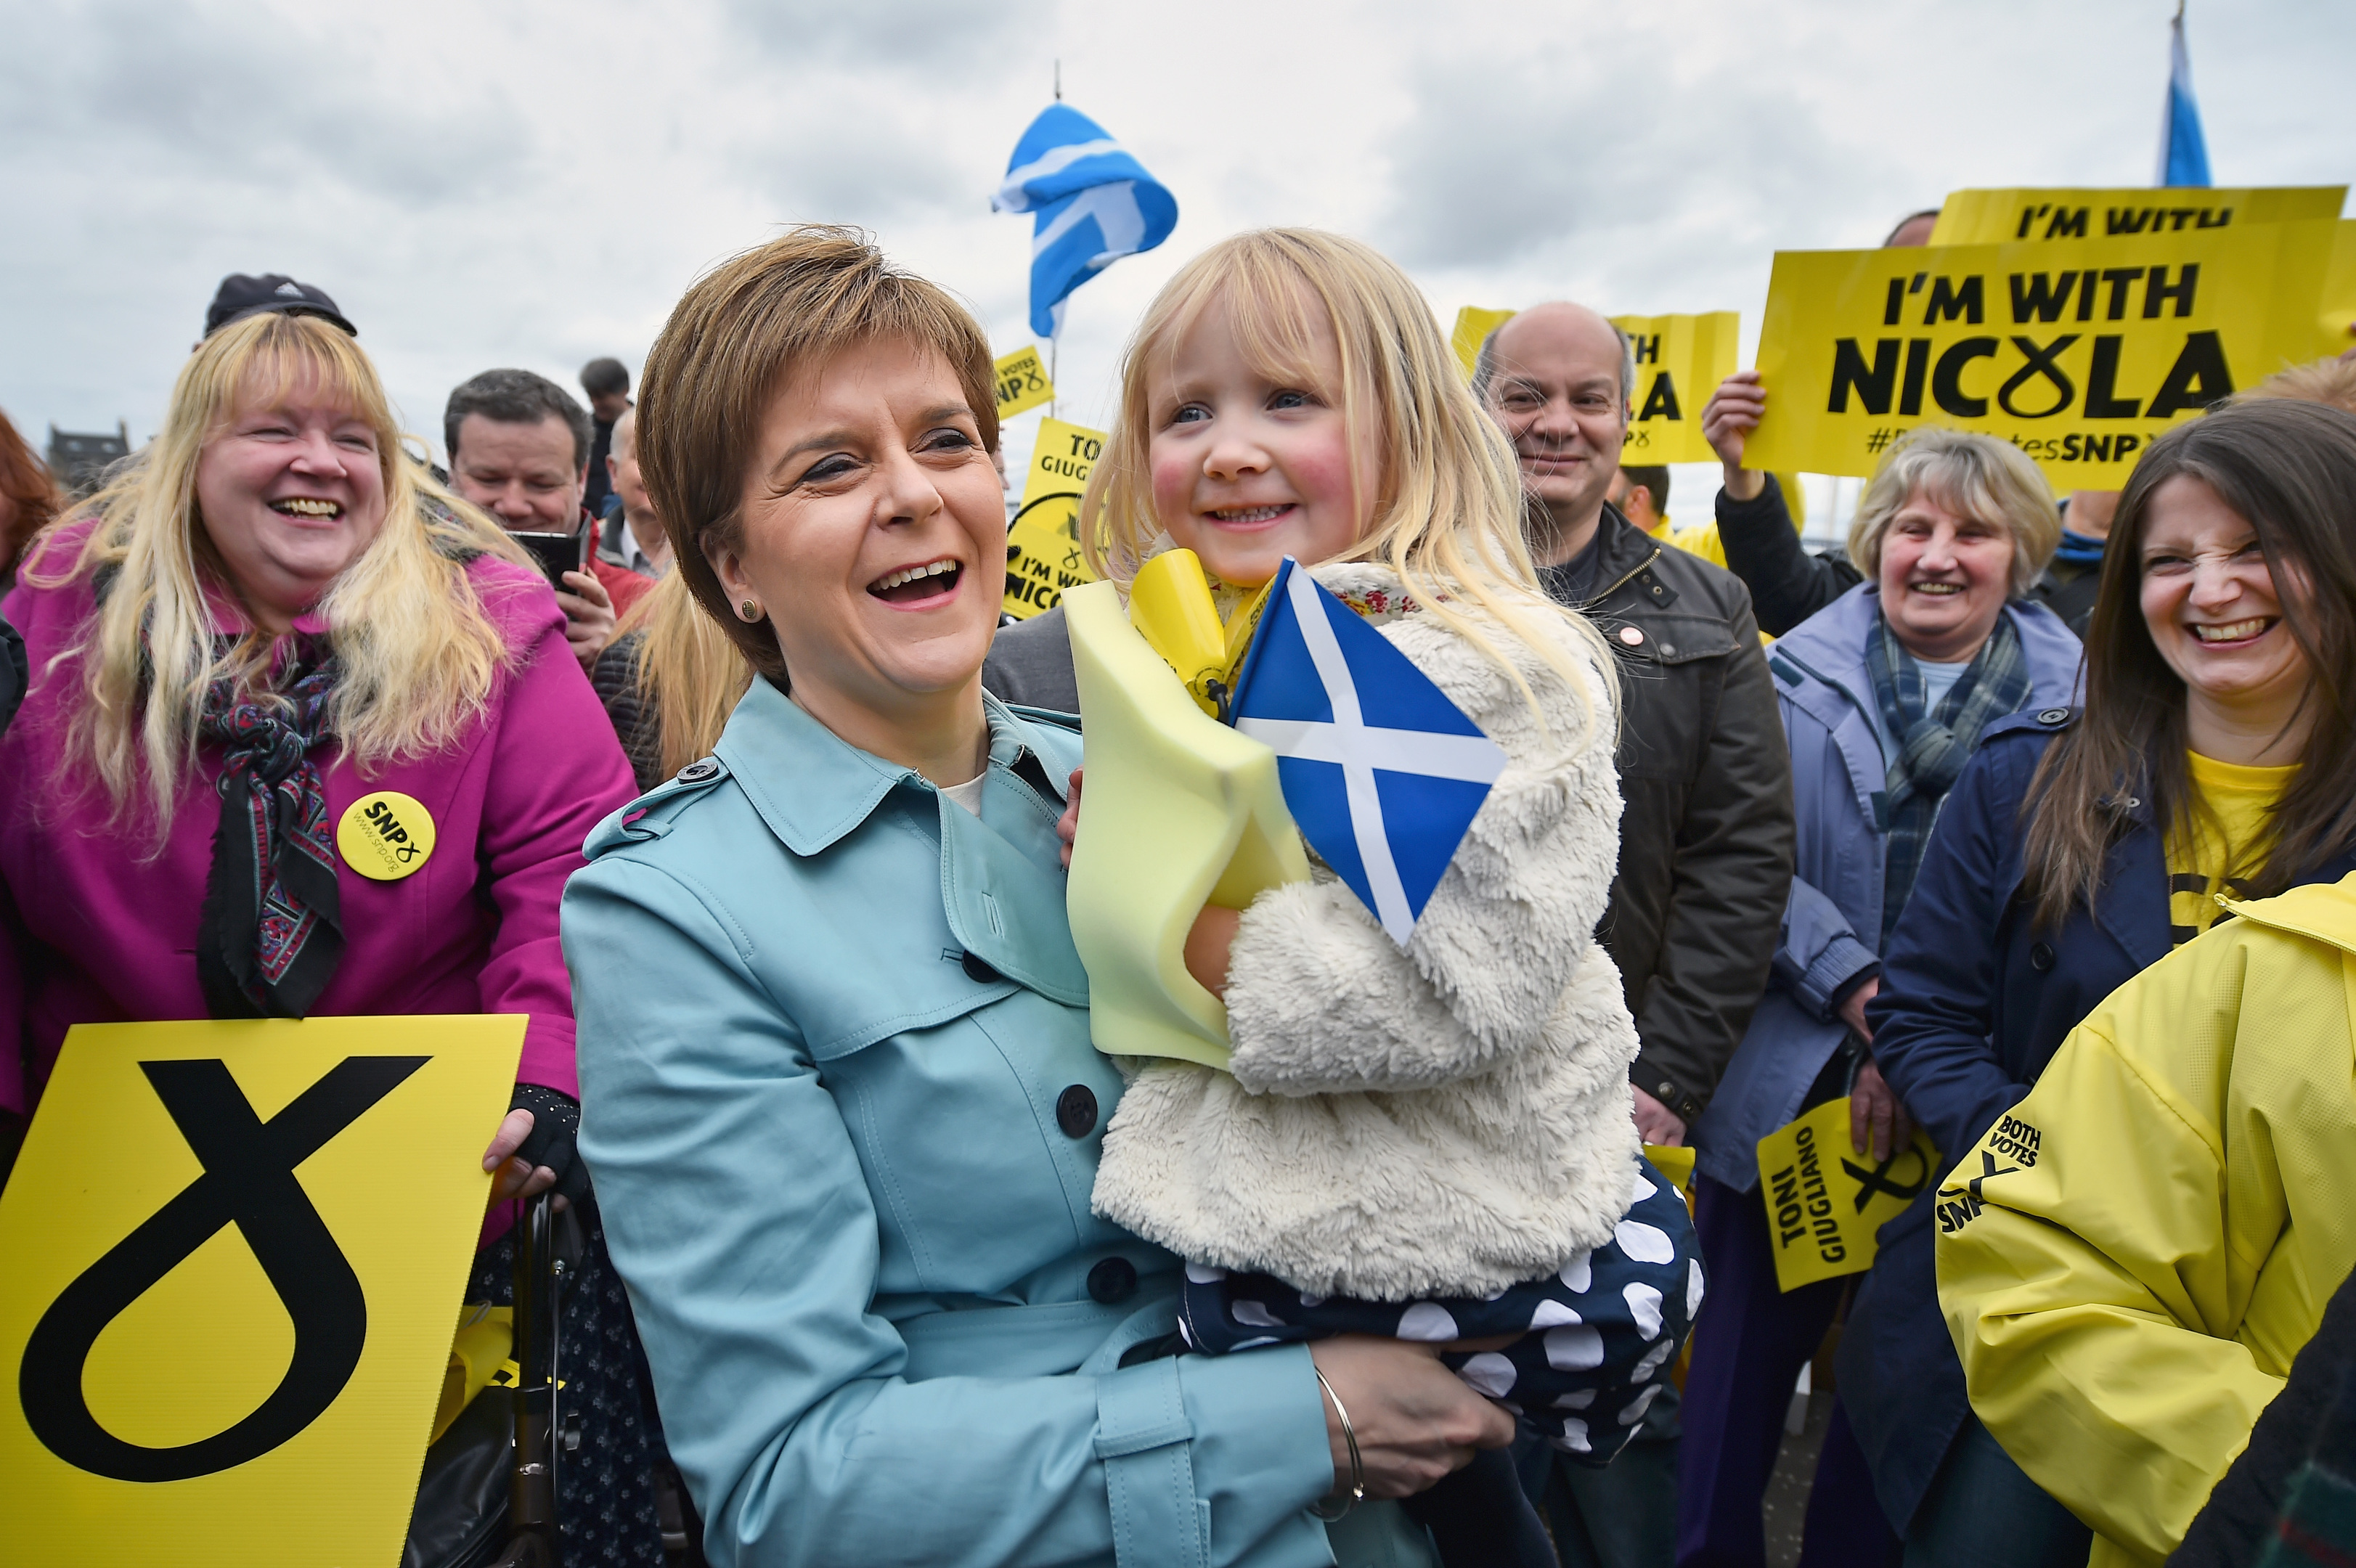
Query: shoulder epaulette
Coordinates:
[649,815]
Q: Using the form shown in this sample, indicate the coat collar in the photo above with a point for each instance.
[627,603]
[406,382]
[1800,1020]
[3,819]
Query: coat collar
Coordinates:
[1001,891]
[770,741]
[1621,551]
[1826,652]
[2325,911]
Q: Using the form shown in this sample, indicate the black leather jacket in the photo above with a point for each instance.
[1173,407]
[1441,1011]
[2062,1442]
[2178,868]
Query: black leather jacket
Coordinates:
[1706,834]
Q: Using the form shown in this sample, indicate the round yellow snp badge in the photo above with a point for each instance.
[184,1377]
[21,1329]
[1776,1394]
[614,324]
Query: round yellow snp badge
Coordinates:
[385,835]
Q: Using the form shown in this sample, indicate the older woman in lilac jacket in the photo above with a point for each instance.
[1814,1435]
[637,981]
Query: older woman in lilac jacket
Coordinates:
[273,617]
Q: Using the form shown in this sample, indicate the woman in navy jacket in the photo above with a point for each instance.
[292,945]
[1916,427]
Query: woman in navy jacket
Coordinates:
[2194,660]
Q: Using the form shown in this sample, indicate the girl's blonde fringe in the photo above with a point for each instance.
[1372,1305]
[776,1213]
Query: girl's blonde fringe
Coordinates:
[688,671]
[1448,508]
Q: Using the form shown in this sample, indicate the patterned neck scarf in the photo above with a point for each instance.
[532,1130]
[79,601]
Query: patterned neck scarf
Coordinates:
[1932,747]
[271,930]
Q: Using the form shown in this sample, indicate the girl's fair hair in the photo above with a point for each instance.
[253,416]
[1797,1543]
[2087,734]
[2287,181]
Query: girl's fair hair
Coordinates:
[740,332]
[1972,476]
[1446,513]
[689,672]
[418,651]
[2289,468]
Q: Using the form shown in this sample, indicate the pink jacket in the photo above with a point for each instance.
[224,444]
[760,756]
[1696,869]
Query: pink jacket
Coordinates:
[102,935]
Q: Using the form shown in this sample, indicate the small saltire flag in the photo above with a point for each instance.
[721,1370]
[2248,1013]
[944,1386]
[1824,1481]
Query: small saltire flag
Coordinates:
[2183,150]
[1382,773]
[1095,204]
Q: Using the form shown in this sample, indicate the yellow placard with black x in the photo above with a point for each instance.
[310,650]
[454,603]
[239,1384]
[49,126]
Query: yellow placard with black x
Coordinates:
[234,1250]
[1043,541]
[1825,1201]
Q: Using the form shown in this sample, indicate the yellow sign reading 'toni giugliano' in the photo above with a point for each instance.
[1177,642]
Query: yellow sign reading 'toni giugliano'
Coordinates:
[1042,542]
[1825,1201]
[235,1253]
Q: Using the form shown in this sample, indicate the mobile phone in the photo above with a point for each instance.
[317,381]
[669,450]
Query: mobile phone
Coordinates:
[556,553]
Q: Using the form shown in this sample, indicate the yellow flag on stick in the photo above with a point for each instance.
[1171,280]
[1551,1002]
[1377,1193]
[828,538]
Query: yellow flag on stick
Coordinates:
[236,1251]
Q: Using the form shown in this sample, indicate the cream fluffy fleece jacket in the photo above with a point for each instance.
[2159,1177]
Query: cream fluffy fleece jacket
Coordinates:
[1445,1119]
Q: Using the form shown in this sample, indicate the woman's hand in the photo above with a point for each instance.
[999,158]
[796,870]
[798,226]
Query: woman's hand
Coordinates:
[1416,1421]
[1727,422]
[1067,826]
[588,617]
[1874,1109]
[515,1177]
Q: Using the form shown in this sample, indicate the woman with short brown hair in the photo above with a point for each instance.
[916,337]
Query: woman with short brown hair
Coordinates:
[840,1097]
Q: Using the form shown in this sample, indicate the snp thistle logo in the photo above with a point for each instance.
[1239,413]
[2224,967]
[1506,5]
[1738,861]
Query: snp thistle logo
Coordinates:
[2013,1139]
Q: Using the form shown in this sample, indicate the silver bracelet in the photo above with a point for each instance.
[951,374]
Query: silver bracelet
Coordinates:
[1357,1466]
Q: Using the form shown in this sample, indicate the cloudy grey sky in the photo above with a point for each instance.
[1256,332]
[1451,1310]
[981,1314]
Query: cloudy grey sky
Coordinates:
[532,184]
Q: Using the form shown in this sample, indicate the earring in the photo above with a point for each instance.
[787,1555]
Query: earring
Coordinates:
[749,610]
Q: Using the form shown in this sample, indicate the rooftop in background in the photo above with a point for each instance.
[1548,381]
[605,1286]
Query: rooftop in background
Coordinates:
[80,461]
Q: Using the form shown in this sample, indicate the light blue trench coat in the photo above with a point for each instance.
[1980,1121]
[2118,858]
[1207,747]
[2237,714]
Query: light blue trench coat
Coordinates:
[830,1031]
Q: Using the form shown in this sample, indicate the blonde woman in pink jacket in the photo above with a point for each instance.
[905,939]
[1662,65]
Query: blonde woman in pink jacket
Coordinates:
[272,613]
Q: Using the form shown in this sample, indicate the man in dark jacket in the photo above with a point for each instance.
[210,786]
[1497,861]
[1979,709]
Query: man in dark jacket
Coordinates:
[1706,836]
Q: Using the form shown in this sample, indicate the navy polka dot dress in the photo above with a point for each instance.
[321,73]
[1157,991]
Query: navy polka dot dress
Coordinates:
[1595,1340]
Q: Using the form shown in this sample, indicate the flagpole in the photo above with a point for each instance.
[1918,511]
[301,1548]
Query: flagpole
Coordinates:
[1055,339]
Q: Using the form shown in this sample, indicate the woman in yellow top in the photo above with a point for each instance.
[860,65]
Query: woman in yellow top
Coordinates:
[2190,1218]
[2076,850]
[2132,1257]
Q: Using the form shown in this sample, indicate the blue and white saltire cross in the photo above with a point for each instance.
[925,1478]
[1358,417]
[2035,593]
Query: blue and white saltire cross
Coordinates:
[1382,773]
[2183,150]
[1095,204]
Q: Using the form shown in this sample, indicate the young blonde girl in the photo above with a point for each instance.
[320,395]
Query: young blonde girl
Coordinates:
[1430,1142]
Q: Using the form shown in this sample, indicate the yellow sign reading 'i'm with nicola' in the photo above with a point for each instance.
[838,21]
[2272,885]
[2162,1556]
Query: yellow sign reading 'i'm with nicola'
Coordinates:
[2080,352]
[234,1253]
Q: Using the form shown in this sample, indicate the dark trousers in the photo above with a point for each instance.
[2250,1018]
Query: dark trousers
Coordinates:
[1748,1345]
[1983,1509]
[1622,1515]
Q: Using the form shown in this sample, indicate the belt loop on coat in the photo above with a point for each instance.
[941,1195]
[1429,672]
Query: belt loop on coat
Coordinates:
[1143,1436]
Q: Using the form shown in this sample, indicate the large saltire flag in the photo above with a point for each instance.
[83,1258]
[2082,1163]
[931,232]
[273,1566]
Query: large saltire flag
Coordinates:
[1382,773]
[2183,150]
[1095,204]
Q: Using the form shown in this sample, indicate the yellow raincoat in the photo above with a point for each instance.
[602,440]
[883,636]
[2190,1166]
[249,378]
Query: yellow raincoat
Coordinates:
[2130,1259]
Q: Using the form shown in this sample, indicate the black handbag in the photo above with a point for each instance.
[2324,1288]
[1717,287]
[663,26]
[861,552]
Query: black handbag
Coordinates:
[487,1495]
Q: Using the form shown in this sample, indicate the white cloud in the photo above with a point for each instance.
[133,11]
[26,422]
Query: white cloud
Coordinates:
[534,183]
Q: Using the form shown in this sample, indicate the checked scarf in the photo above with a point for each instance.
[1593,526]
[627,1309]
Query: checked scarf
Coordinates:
[271,930]
[1932,747]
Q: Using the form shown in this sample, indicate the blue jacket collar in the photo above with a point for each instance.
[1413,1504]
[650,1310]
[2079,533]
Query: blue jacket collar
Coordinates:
[1830,649]
[835,787]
